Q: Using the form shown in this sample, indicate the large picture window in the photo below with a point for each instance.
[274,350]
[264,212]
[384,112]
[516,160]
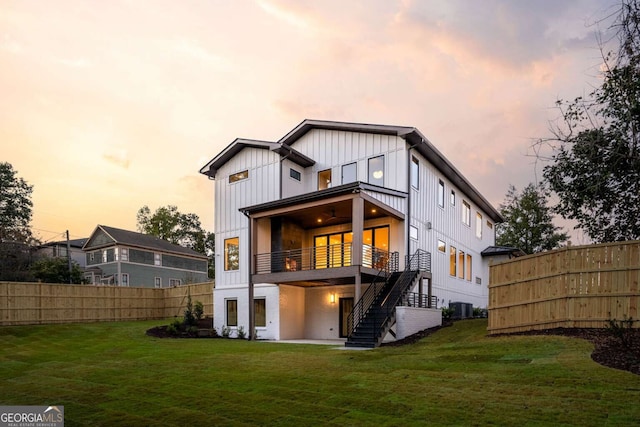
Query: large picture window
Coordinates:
[376,171]
[232,254]
[232,312]
[260,310]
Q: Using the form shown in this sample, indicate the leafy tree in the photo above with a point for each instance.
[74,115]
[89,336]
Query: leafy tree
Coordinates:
[16,240]
[181,229]
[15,206]
[595,160]
[56,270]
[528,221]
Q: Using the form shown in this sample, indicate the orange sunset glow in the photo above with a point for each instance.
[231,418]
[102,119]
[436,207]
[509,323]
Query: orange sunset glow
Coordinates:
[109,106]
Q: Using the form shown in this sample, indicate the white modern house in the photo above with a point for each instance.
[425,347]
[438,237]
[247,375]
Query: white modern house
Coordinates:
[345,230]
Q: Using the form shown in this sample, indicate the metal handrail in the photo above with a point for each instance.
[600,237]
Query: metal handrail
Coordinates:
[320,257]
[369,296]
[414,299]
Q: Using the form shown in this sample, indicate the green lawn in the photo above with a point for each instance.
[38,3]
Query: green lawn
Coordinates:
[113,374]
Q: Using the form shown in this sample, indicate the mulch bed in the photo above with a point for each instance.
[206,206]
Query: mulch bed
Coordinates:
[204,327]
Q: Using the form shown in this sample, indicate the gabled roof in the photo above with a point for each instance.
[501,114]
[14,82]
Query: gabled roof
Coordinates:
[414,138]
[105,236]
[74,243]
[211,168]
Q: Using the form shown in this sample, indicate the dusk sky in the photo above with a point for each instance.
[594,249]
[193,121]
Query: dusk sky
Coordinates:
[108,106]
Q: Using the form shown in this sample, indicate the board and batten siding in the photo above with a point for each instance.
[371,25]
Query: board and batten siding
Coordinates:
[333,149]
[261,186]
[436,223]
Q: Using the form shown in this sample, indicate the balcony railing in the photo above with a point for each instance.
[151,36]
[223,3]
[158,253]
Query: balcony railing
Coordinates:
[320,257]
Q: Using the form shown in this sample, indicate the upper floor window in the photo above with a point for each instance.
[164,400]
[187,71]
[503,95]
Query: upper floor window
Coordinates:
[415,173]
[232,253]
[238,176]
[466,213]
[453,198]
[441,193]
[349,173]
[324,179]
[452,261]
[478,225]
[489,224]
[124,254]
[442,246]
[376,171]
[157,259]
[295,174]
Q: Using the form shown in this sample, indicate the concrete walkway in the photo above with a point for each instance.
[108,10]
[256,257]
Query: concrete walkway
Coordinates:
[338,344]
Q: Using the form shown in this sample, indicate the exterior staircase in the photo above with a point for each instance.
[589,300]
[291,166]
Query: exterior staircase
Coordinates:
[374,314]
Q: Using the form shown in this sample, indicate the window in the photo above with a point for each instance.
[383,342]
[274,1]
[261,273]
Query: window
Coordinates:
[441,193]
[157,282]
[442,246]
[238,176]
[466,213]
[469,269]
[295,174]
[478,225]
[453,198]
[175,282]
[232,254]
[124,254]
[461,264]
[413,232]
[157,260]
[260,311]
[104,255]
[452,261]
[489,225]
[349,173]
[324,179]
[415,173]
[125,279]
[376,171]
[232,312]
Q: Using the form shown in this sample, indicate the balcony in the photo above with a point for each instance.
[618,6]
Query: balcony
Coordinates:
[321,265]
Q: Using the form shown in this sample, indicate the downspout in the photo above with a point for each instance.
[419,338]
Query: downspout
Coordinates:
[252,320]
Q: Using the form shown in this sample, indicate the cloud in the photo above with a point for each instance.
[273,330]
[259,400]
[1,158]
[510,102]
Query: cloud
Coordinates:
[117,156]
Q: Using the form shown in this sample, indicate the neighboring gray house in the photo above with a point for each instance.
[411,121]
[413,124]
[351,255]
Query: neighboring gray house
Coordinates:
[126,258]
[59,250]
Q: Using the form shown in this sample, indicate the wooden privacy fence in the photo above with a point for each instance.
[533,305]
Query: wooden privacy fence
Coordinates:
[43,303]
[573,287]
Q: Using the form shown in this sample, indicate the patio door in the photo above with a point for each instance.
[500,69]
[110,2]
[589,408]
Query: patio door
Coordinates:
[346,307]
[375,246]
[332,250]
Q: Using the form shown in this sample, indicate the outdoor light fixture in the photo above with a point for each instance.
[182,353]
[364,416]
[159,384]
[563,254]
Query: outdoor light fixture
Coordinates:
[332,298]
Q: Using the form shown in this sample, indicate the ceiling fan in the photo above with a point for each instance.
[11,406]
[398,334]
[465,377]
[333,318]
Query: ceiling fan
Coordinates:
[331,216]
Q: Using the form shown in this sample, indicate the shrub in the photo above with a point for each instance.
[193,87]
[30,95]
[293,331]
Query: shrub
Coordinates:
[174,327]
[192,330]
[189,317]
[198,310]
[447,313]
[241,332]
[622,330]
[225,331]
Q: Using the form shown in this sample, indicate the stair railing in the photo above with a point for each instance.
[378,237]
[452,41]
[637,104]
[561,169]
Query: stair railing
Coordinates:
[369,296]
[420,261]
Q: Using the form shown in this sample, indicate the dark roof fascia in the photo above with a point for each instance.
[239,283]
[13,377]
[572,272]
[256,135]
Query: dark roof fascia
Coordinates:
[353,187]
[416,140]
[211,168]
[230,151]
[142,241]
[502,250]
[436,158]
[74,243]
[307,125]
